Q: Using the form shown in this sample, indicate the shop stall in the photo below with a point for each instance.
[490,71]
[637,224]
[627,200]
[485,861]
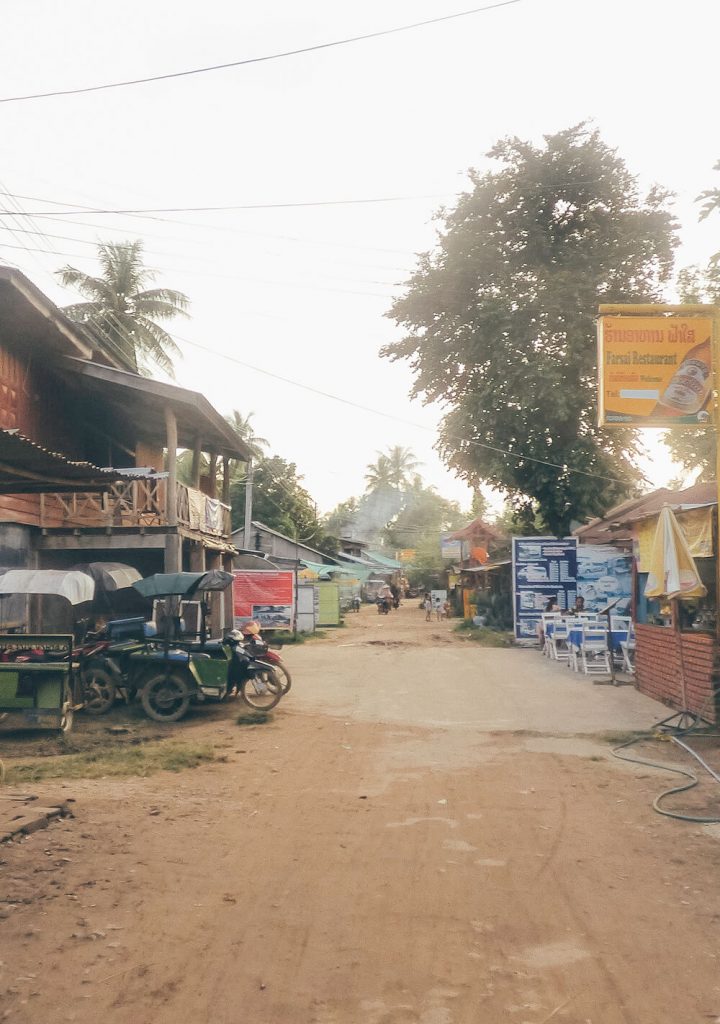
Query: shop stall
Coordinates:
[676,655]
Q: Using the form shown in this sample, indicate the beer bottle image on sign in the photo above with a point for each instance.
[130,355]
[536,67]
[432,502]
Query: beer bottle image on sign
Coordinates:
[689,387]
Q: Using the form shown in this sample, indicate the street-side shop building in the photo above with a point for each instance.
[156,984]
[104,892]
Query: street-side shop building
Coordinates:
[677,651]
[88,467]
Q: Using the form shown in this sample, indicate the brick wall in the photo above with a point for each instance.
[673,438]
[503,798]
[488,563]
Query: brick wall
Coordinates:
[658,668]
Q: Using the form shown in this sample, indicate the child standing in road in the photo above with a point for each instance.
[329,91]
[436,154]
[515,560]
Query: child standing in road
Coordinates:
[427,605]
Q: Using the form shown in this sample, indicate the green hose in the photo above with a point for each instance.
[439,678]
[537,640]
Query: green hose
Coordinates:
[694,781]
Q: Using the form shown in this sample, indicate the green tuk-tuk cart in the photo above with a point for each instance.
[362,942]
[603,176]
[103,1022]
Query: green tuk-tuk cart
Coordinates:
[40,683]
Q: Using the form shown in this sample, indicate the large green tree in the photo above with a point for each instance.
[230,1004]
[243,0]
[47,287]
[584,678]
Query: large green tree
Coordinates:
[499,320]
[696,450]
[122,313]
[281,502]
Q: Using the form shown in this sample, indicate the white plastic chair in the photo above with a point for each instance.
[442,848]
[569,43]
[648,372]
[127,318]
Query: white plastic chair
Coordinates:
[618,623]
[594,654]
[546,618]
[559,641]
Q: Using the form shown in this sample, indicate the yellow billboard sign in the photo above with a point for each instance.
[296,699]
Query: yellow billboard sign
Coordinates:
[655,371]
[406,555]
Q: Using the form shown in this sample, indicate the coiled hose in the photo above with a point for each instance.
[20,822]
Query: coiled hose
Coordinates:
[661,730]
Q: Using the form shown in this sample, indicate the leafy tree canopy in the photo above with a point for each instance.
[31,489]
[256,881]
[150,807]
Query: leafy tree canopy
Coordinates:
[696,450]
[500,321]
[122,313]
[281,502]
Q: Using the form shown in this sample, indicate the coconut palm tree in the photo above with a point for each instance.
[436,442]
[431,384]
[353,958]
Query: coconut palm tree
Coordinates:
[379,474]
[244,429]
[122,313]
[402,462]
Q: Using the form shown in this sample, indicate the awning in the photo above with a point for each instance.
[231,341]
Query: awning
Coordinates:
[28,468]
[76,587]
[488,567]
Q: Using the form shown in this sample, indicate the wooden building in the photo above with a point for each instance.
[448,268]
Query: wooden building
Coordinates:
[88,452]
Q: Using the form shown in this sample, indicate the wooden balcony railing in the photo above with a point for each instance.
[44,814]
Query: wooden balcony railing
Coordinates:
[136,503]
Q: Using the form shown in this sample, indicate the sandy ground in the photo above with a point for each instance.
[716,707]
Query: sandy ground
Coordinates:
[426,833]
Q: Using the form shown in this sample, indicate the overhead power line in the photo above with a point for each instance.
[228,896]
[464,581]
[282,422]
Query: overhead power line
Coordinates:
[258,60]
[519,456]
[227,209]
[78,211]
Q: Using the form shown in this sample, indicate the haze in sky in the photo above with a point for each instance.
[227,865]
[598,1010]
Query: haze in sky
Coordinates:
[301,291]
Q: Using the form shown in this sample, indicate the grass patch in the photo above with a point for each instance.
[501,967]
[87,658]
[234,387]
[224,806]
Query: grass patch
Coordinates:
[121,761]
[254,717]
[621,736]
[299,638]
[482,635]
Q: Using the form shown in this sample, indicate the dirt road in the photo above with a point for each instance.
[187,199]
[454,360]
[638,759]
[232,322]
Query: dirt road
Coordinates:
[409,841]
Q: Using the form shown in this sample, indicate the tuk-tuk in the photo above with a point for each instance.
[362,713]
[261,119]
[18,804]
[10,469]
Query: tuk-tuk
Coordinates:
[171,672]
[40,682]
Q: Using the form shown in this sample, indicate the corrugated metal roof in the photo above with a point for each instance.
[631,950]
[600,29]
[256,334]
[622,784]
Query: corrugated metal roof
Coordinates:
[614,526]
[28,468]
[391,563]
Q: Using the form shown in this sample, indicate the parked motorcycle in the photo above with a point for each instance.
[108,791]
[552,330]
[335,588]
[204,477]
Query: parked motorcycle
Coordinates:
[256,681]
[261,650]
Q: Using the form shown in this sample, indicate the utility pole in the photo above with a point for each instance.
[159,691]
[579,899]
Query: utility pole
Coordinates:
[248,505]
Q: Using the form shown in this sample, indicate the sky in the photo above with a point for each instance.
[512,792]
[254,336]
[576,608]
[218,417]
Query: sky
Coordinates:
[301,292]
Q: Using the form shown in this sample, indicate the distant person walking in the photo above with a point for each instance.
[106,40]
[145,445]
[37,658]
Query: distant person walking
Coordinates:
[427,605]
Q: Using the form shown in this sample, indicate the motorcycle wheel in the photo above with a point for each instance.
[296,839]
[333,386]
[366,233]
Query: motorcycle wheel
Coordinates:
[99,690]
[284,677]
[263,691]
[166,698]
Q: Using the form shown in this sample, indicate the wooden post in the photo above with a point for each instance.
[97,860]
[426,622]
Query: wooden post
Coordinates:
[197,451]
[212,476]
[226,481]
[172,541]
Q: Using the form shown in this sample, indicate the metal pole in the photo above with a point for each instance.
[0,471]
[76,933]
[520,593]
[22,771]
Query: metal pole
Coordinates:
[248,504]
[172,541]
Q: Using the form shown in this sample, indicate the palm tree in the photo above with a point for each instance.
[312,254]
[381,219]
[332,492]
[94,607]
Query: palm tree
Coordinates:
[121,312]
[402,462]
[379,474]
[244,429]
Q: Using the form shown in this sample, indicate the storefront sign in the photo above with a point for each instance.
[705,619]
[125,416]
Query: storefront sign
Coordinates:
[655,371]
[544,569]
[406,555]
[604,576]
[451,549]
[265,597]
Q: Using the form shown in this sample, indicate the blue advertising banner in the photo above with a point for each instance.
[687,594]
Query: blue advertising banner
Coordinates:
[544,569]
[603,576]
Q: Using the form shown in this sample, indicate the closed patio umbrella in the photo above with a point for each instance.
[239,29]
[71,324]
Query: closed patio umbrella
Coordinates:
[673,572]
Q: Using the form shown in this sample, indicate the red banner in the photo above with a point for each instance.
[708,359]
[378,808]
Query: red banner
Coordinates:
[265,597]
